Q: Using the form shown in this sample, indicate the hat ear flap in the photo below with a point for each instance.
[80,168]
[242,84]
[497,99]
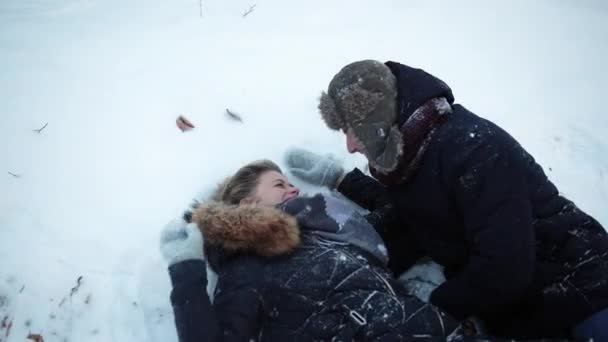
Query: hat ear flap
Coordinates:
[359,102]
[327,108]
[388,160]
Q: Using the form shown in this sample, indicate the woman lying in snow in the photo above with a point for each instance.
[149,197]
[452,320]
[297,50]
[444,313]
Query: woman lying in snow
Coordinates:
[289,268]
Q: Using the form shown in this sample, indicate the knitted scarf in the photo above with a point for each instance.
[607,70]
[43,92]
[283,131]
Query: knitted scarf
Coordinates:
[338,220]
[416,133]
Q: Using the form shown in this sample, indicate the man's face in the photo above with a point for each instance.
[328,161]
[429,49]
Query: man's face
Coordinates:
[353,145]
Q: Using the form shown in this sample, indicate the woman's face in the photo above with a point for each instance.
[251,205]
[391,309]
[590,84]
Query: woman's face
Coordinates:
[273,188]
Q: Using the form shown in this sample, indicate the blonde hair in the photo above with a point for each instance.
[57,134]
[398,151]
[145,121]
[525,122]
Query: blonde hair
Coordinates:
[241,185]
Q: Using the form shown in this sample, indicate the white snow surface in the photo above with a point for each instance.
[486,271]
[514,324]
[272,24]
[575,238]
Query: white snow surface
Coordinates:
[110,77]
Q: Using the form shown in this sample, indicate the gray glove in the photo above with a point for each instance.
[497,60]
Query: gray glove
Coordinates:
[420,288]
[423,278]
[180,241]
[314,168]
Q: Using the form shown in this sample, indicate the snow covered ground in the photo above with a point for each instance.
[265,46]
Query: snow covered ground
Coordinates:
[80,216]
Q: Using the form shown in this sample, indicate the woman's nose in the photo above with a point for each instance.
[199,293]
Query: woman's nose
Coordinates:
[293,191]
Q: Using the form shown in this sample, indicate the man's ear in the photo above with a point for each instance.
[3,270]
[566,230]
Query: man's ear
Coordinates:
[248,200]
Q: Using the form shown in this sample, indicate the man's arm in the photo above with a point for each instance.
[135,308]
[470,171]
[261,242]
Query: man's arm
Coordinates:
[364,190]
[491,192]
[370,194]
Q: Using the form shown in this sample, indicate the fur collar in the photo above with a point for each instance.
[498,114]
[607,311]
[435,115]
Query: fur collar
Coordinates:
[262,230]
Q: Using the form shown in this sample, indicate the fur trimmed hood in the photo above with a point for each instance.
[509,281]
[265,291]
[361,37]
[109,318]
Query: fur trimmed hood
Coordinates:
[262,230]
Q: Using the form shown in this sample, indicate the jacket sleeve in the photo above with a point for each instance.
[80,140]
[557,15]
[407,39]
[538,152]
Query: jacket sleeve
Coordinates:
[363,190]
[234,315]
[370,194]
[491,192]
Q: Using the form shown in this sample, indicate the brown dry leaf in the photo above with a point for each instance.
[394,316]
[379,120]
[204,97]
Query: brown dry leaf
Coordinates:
[35,337]
[184,124]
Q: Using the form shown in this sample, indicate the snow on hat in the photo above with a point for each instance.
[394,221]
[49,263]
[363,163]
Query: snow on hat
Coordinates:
[363,97]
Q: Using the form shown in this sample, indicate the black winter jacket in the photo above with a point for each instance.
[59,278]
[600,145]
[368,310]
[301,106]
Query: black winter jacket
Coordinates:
[278,281]
[515,251]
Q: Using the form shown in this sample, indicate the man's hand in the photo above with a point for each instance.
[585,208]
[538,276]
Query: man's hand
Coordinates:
[314,168]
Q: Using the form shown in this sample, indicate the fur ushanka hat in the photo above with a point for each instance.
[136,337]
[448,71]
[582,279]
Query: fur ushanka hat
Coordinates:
[363,97]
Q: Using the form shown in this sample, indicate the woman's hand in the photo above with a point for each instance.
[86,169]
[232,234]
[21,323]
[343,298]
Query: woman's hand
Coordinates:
[314,168]
[180,241]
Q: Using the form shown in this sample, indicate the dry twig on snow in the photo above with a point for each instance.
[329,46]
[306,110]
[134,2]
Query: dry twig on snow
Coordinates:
[249,10]
[39,130]
[72,291]
[234,116]
[75,288]
[35,337]
[6,325]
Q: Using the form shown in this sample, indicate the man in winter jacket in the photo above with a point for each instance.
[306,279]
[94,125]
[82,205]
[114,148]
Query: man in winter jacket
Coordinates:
[515,252]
